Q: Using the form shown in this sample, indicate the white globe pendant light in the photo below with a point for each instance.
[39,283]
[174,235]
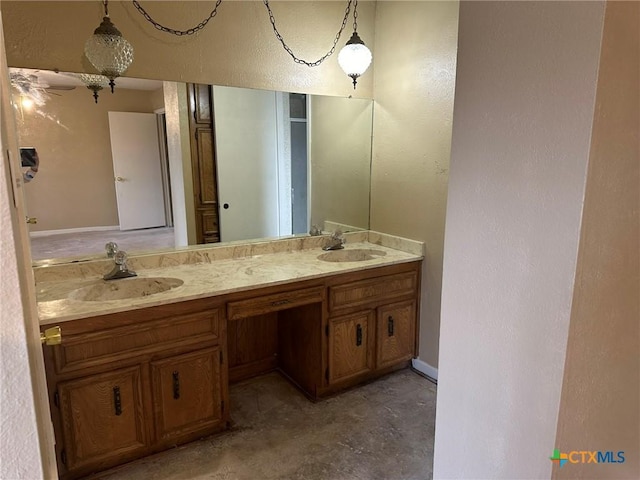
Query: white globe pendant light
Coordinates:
[355,57]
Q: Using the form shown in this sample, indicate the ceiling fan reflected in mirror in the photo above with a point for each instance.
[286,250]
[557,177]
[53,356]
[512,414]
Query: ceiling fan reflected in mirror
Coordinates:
[33,88]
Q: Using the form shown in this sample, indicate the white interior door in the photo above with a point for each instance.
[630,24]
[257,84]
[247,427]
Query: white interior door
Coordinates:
[137,170]
[246,157]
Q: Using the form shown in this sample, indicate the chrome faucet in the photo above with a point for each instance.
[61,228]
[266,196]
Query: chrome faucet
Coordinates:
[111,248]
[120,269]
[336,241]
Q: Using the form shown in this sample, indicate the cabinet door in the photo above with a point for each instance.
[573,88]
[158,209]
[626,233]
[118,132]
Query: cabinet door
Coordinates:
[187,393]
[350,346]
[102,418]
[396,333]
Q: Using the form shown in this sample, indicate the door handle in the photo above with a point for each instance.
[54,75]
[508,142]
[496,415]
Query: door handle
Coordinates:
[32,220]
[117,401]
[358,335]
[51,336]
[279,302]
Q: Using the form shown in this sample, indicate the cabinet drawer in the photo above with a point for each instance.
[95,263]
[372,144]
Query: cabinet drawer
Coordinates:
[373,290]
[274,303]
[89,349]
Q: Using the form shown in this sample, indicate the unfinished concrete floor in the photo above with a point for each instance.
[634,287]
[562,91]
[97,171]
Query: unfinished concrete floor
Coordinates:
[383,430]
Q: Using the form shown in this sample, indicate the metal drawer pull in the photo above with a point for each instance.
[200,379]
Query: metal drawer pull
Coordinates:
[279,302]
[358,335]
[117,402]
[176,385]
[390,326]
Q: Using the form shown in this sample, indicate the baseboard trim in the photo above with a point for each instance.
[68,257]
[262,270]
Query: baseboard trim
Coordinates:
[44,233]
[425,368]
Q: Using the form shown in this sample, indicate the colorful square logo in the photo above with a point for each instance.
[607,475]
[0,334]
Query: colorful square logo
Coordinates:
[560,458]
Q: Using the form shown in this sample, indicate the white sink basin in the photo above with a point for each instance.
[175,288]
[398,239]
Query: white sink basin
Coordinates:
[351,255]
[124,288]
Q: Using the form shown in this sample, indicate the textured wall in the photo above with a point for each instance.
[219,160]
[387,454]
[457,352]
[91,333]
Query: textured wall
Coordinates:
[525,94]
[26,438]
[237,48]
[600,407]
[414,83]
[18,429]
[74,186]
[157,99]
[340,148]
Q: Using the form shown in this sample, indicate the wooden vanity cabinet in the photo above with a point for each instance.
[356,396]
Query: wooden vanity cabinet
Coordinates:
[128,384]
[372,326]
[125,385]
[327,334]
[278,328]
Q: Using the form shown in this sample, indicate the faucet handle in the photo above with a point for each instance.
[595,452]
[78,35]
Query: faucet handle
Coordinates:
[120,269]
[111,248]
[120,258]
[315,231]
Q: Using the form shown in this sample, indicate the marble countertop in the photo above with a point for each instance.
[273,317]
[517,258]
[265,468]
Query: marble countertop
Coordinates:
[219,277]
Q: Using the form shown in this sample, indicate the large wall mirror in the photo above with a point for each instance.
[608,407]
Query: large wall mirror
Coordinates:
[126,169]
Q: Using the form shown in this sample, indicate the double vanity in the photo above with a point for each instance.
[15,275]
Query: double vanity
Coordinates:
[145,363]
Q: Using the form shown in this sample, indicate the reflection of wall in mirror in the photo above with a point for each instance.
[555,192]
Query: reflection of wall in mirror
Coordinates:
[340,146]
[75,187]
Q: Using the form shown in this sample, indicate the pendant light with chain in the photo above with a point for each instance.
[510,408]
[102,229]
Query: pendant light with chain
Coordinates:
[107,49]
[355,57]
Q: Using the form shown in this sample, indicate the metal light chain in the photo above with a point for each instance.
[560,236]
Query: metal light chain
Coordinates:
[178,33]
[290,52]
[355,16]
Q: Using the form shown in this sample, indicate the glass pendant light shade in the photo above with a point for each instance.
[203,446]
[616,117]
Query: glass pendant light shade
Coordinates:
[354,58]
[108,51]
[94,82]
